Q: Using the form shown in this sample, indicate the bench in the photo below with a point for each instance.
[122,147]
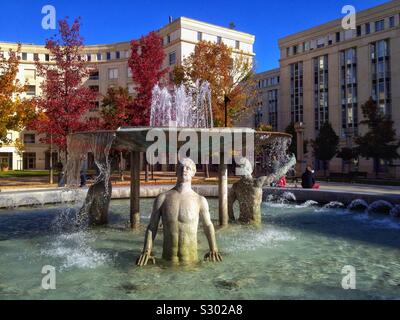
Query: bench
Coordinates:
[357,174]
[350,177]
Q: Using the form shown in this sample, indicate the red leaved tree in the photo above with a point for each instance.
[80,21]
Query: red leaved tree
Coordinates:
[145,62]
[64,100]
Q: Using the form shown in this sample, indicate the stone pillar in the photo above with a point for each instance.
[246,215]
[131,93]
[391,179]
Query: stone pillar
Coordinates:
[300,128]
[135,189]
[223,193]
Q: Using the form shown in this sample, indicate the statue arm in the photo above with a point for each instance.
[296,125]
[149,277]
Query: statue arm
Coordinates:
[151,233]
[267,180]
[231,200]
[209,230]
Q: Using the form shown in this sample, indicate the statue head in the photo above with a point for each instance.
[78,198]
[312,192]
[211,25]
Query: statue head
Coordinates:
[186,170]
[244,168]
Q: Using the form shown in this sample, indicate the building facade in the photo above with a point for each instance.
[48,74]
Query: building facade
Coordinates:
[327,73]
[268,87]
[110,69]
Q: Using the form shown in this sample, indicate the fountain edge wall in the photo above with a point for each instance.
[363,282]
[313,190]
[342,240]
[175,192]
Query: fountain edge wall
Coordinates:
[14,199]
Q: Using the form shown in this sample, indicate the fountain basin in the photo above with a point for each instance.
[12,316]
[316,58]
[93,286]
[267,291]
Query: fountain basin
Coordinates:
[298,253]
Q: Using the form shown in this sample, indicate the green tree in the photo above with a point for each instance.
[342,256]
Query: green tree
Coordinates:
[380,142]
[326,145]
[348,155]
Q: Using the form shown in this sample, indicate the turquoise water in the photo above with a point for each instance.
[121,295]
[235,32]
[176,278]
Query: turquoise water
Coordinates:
[298,253]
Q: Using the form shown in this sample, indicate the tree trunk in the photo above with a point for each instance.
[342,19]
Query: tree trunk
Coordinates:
[206,171]
[120,167]
[376,168]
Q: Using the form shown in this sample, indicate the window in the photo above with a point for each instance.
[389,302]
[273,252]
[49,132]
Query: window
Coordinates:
[172,58]
[321,91]
[24,56]
[31,90]
[273,108]
[112,74]
[29,138]
[381,79]
[94,75]
[379,25]
[348,80]
[169,38]
[99,57]
[47,57]
[30,74]
[95,106]
[36,57]
[29,160]
[296,89]
[391,22]
[237,44]
[359,31]
[89,57]
[117,55]
[337,36]
[199,36]
[367,28]
[95,88]
[6,157]
[131,89]
[108,55]
[219,40]
[294,49]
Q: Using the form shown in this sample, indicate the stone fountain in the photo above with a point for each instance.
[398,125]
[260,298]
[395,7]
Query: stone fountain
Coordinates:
[181,126]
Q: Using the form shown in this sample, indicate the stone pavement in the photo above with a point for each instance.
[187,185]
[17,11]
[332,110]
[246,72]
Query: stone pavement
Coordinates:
[18,184]
[352,187]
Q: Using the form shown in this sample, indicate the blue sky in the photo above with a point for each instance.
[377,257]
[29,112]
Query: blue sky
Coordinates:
[106,21]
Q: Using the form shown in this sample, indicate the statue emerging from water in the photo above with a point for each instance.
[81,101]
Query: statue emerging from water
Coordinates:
[248,191]
[180,210]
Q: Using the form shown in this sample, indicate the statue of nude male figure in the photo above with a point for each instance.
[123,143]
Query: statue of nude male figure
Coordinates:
[248,191]
[180,210]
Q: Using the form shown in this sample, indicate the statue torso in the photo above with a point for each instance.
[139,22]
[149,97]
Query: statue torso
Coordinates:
[180,215]
[249,194]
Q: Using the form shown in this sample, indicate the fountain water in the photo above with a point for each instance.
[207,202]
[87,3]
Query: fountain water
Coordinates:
[358,205]
[98,198]
[184,107]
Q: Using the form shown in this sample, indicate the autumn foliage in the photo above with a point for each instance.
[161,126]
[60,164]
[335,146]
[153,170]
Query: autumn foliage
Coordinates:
[64,100]
[15,112]
[229,74]
[146,64]
[115,111]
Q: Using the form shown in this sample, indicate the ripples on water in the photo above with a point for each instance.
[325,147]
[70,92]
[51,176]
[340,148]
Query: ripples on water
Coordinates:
[298,252]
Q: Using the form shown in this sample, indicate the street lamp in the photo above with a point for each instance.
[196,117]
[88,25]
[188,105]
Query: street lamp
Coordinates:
[226,100]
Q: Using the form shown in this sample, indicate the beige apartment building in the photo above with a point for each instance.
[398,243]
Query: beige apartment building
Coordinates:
[326,74]
[110,61]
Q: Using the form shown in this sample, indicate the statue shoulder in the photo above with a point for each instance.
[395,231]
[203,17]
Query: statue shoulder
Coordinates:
[161,198]
[203,201]
[259,182]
